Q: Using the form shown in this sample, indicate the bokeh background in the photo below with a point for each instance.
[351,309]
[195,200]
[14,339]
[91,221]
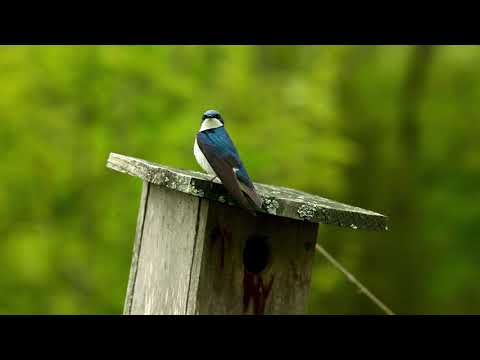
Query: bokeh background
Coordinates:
[394,129]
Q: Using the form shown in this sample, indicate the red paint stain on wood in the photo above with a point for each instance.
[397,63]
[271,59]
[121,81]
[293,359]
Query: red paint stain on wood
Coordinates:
[254,289]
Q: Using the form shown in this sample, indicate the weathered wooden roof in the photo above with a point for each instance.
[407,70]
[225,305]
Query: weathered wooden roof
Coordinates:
[279,201]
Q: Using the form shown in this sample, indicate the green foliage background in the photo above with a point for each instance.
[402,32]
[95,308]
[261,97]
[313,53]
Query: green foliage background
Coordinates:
[394,129]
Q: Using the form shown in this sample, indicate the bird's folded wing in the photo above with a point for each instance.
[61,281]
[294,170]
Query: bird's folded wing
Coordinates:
[251,193]
[224,165]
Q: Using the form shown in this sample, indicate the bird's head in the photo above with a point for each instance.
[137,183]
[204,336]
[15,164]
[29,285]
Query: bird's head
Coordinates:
[211,119]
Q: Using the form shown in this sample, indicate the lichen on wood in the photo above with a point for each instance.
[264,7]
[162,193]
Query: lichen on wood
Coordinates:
[277,200]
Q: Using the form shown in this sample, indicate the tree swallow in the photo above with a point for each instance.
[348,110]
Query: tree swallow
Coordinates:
[217,155]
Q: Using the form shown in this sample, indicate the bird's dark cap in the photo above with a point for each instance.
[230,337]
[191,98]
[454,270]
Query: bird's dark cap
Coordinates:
[212,114]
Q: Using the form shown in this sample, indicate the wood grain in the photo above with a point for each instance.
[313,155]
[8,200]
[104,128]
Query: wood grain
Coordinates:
[136,247]
[195,252]
[166,253]
[189,259]
[277,200]
[226,284]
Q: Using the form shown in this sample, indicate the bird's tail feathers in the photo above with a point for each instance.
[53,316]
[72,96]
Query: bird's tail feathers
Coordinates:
[254,200]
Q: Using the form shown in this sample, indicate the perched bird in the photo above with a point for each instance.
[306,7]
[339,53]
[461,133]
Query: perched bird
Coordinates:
[217,155]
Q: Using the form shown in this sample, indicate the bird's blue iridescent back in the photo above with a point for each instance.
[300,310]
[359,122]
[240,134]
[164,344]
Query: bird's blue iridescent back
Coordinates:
[219,140]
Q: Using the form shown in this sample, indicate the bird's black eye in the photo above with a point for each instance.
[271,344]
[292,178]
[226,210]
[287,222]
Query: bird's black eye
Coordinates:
[212,114]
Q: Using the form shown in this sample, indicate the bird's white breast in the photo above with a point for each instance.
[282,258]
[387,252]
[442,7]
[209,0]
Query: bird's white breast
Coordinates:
[207,124]
[202,160]
[211,123]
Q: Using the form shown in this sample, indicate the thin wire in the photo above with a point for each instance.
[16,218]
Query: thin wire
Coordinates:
[352,278]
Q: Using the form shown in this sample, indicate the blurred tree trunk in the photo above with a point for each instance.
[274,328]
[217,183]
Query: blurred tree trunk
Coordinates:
[416,76]
[406,196]
[386,181]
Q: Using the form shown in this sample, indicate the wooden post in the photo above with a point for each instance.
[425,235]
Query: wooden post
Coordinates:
[195,252]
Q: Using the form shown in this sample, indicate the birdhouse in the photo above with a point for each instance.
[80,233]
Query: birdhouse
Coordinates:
[196,252]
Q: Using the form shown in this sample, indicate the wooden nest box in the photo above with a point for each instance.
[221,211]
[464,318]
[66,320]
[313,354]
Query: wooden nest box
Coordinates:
[195,252]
